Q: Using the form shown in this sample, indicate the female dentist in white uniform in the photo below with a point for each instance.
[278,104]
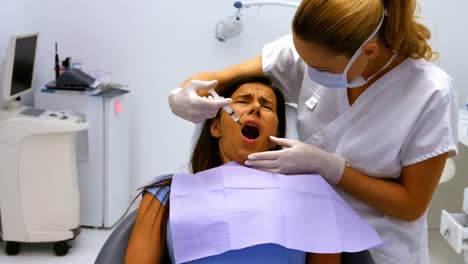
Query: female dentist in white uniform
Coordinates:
[375,117]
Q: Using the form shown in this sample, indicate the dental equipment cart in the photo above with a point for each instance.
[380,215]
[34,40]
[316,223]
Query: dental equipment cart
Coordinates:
[39,196]
[103,152]
[454,227]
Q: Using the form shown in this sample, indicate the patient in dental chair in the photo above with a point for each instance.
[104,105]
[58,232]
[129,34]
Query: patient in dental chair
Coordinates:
[222,142]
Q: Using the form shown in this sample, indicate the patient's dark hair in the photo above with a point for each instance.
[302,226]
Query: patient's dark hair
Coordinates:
[206,154]
[206,151]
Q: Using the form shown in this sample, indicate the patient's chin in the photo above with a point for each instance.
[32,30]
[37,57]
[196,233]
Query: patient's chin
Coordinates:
[241,154]
[241,160]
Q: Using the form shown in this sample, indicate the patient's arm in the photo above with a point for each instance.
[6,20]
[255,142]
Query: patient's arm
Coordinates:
[313,258]
[147,242]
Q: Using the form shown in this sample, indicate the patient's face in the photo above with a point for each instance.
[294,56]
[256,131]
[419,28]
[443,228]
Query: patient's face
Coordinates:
[255,103]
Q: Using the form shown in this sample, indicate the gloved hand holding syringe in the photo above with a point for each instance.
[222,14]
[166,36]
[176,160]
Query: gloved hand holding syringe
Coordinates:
[186,103]
[227,108]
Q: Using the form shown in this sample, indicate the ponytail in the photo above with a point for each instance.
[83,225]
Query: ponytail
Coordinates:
[404,33]
[343,25]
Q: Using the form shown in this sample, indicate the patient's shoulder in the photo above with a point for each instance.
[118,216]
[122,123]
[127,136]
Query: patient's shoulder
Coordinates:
[159,188]
[161,178]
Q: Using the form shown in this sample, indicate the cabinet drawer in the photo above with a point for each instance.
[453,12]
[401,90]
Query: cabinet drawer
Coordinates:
[454,228]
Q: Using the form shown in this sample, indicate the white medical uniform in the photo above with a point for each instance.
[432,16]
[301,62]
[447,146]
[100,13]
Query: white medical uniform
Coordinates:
[407,116]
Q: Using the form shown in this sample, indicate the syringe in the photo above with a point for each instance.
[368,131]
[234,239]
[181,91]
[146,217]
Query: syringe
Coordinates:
[227,108]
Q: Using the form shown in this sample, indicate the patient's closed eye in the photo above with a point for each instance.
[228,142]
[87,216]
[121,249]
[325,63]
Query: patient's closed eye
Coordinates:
[268,106]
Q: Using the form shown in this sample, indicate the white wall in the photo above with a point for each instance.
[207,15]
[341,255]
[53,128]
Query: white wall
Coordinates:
[154,45]
[12,15]
[448,22]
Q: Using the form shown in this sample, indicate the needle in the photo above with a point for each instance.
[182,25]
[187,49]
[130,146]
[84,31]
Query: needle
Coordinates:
[227,108]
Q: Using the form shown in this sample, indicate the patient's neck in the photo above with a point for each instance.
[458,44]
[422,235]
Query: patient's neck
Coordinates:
[237,160]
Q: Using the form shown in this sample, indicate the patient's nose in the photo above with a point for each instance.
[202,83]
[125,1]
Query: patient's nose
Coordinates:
[255,109]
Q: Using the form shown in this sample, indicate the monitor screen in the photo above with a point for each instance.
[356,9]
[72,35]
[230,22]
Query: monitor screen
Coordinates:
[23,64]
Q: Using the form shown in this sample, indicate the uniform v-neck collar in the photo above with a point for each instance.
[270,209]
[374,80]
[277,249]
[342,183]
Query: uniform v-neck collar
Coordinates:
[370,92]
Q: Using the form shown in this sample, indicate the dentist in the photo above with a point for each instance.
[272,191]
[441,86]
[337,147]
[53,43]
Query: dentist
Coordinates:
[375,117]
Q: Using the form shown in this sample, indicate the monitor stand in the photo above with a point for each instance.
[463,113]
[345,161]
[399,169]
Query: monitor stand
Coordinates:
[11,106]
[10,109]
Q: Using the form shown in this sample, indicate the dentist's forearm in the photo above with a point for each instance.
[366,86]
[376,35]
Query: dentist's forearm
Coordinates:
[390,197]
[407,199]
[252,66]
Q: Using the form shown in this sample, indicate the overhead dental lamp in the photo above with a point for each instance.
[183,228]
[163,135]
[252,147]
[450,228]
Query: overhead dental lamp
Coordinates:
[231,26]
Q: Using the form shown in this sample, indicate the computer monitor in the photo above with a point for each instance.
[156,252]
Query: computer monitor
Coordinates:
[18,68]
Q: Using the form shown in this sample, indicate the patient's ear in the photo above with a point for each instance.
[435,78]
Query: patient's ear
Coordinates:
[215,128]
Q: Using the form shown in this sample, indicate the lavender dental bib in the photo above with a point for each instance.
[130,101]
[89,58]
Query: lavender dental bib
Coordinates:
[233,207]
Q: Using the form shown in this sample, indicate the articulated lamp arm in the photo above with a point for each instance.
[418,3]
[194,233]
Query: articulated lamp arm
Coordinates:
[231,27]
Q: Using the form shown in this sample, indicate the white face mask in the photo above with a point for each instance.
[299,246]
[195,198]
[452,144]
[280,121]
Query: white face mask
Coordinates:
[339,80]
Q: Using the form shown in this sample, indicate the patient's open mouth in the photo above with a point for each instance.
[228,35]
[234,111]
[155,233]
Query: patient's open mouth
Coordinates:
[250,131]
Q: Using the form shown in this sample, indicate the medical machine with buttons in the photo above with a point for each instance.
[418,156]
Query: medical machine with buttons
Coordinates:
[103,152]
[39,195]
[454,226]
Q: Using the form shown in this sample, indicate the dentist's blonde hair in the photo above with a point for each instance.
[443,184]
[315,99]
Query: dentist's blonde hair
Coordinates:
[343,25]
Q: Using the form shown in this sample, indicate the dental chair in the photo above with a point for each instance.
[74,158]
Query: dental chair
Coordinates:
[113,250]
